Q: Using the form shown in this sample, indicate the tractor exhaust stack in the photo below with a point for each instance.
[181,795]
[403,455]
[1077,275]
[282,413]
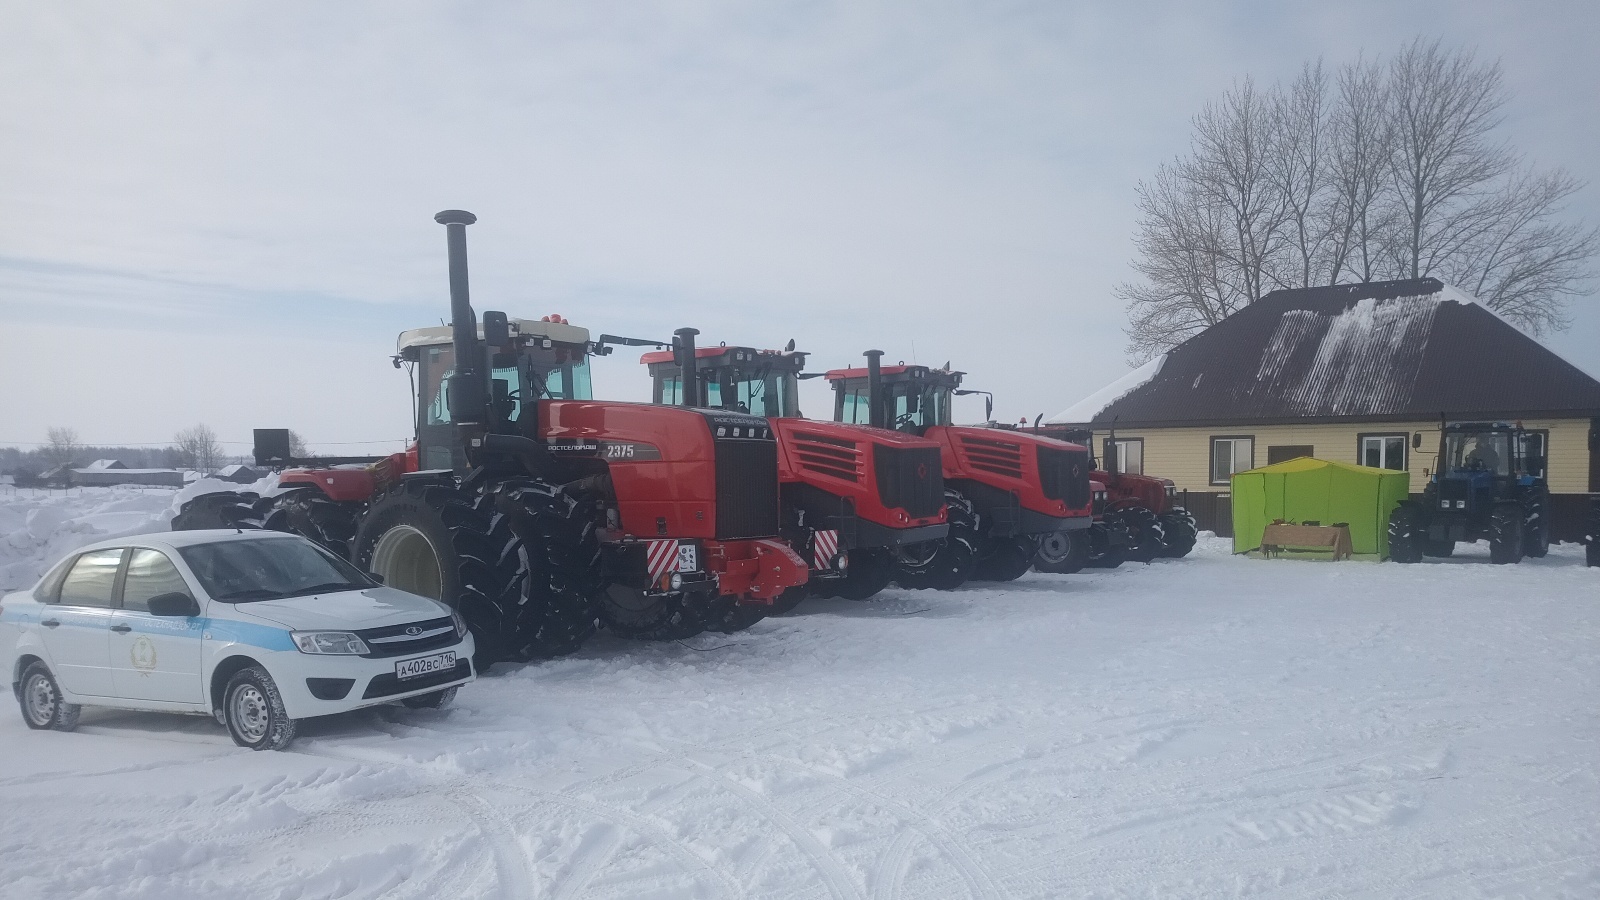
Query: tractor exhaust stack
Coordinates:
[688,365]
[875,405]
[468,396]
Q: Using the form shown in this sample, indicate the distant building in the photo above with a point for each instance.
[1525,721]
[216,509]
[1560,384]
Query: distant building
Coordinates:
[240,474]
[1352,373]
[105,472]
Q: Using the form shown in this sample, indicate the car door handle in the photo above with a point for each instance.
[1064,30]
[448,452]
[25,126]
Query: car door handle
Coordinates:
[122,629]
[51,623]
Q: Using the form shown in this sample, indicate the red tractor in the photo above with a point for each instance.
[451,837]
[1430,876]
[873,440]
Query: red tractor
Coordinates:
[1141,518]
[853,496]
[1005,491]
[536,510]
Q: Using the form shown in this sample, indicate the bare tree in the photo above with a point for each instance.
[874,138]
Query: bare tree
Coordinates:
[198,448]
[1397,175]
[297,445]
[63,445]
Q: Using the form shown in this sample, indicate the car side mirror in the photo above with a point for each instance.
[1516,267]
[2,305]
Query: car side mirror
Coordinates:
[376,578]
[174,605]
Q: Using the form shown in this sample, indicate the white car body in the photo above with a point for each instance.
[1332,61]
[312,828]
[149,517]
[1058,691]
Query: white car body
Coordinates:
[132,659]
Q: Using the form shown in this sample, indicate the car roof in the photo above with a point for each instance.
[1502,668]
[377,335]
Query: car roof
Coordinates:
[177,539]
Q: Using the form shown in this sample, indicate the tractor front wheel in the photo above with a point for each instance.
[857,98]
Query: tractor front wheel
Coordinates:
[869,571]
[1178,533]
[220,509]
[1005,559]
[310,513]
[632,613]
[1062,552]
[1536,523]
[1146,541]
[947,563]
[1405,534]
[1505,534]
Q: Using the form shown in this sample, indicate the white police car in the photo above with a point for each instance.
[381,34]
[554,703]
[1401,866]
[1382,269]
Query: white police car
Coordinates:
[256,628]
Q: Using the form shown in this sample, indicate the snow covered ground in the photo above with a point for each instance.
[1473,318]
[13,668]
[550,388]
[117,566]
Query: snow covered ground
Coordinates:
[1211,727]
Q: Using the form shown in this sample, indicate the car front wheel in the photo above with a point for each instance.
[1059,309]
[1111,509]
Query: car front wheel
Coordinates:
[252,708]
[42,706]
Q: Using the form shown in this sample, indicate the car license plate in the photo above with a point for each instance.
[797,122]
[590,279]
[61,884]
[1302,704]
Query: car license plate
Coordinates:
[425,665]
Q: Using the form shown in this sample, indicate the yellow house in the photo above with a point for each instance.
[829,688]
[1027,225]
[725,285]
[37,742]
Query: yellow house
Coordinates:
[1354,373]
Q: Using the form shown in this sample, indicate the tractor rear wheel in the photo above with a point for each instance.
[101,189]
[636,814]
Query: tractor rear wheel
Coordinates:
[1405,534]
[1005,559]
[869,571]
[1536,523]
[1178,533]
[221,509]
[947,563]
[1505,534]
[310,513]
[1062,552]
[1146,541]
[1103,553]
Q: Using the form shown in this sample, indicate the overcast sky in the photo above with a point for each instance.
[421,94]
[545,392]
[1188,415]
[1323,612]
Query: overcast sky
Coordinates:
[222,212]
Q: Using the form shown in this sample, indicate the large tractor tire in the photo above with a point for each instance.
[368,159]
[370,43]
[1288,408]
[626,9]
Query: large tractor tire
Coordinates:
[1005,559]
[1406,534]
[1062,552]
[1107,544]
[310,513]
[729,616]
[629,612]
[869,571]
[945,564]
[1536,523]
[1505,533]
[1146,540]
[221,509]
[549,545]
[1178,533]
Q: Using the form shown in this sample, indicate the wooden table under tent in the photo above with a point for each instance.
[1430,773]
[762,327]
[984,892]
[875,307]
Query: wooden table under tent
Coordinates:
[1321,494]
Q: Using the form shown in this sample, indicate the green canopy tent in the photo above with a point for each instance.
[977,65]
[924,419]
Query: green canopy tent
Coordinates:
[1318,490]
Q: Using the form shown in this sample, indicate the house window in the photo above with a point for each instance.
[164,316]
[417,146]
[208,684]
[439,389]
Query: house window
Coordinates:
[1230,455]
[1286,452]
[1384,451]
[1130,456]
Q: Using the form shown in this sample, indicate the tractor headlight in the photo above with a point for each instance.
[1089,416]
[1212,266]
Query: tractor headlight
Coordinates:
[1444,504]
[1461,504]
[332,643]
[841,562]
[676,581]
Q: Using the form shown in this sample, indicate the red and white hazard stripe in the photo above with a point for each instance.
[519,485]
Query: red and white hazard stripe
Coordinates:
[824,547]
[663,558]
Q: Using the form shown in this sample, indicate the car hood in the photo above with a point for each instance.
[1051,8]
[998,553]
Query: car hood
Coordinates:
[373,607]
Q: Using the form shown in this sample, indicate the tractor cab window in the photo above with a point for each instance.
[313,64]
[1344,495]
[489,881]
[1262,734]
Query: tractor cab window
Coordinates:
[563,373]
[764,392]
[854,408]
[918,406]
[1485,451]
[672,391]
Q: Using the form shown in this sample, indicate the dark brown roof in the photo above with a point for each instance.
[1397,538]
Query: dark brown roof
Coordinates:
[1390,350]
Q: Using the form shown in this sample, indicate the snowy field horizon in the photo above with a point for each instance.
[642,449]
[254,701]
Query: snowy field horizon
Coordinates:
[1208,727]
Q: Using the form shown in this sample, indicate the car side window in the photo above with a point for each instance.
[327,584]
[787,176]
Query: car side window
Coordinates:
[150,573]
[91,579]
[49,589]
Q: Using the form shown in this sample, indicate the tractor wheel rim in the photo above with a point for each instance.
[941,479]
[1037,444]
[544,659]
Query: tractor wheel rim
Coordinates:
[40,697]
[250,714]
[1054,547]
[407,560]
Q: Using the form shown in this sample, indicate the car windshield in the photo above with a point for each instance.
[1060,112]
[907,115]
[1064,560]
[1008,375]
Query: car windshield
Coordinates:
[271,569]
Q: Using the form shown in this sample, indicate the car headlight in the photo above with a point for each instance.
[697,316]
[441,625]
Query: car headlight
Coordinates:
[336,643]
[461,624]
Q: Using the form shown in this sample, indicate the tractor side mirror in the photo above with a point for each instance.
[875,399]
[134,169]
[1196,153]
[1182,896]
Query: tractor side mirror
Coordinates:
[496,329]
[173,605]
[1416,440]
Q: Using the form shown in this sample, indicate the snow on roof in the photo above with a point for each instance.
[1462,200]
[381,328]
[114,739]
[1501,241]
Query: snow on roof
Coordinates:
[103,464]
[1086,409]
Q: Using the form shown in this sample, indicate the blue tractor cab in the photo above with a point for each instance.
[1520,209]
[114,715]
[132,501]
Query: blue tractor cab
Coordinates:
[1489,486]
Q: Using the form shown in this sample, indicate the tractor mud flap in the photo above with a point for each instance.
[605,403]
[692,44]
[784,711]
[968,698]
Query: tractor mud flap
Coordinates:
[757,570]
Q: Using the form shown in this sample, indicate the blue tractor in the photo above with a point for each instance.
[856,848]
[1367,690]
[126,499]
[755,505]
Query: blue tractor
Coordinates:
[1485,489]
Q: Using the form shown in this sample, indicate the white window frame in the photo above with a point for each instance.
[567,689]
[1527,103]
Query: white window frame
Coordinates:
[1121,446]
[1383,453]
[1233,455]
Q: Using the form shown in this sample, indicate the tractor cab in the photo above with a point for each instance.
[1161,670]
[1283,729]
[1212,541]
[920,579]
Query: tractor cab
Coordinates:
[915,398]
[737,379]
[1480,463]
[544,359]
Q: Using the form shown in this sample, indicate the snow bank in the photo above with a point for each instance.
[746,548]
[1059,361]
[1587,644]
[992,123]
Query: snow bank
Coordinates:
[1086,409]
[38,527]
